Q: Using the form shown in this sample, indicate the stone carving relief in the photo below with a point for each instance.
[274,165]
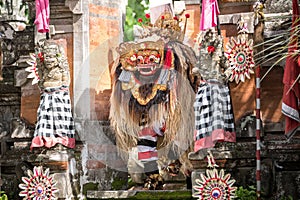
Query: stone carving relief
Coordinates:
[16,40]
[8,47]
[8,54]
[1,78]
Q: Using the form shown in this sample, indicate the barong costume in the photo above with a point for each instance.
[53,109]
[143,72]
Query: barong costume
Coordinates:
[152,95]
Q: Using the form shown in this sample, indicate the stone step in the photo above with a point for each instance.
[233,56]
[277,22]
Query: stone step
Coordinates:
[141,194]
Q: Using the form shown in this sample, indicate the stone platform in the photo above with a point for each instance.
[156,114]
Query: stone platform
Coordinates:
[141,194]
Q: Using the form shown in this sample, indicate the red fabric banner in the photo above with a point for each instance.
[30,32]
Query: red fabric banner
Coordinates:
[291,91]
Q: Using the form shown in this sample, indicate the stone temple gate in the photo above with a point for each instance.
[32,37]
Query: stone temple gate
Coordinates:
[89,32]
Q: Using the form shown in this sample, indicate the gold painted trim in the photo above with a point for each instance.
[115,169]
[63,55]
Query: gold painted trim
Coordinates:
[142,101]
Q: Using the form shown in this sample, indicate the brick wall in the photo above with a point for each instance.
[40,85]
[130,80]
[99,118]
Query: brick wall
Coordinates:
[101,164]
[105,33]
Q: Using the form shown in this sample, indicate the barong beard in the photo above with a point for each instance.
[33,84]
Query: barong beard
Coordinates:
[145,89]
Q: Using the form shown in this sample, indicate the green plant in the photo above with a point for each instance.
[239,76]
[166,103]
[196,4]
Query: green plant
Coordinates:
[23,6]
[3,196]
[118,184]
[287,198]
[246,194]
[134,10]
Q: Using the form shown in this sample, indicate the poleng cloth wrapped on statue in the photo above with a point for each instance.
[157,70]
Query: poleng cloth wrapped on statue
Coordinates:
[55,122]
[213,115]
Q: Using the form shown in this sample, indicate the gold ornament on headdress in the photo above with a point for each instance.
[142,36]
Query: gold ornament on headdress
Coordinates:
[166,26]
[143,101]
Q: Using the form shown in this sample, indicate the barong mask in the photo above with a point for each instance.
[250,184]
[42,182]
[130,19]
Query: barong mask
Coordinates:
[142,65]
[143,59]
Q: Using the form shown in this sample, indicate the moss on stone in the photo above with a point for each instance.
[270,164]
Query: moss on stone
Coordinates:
[119,184]
[161,194]
[182,195]
[89,186]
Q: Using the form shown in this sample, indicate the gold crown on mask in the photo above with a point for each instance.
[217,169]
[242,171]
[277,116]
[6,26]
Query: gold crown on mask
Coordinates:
[166,26]
[152,37]
[128,49]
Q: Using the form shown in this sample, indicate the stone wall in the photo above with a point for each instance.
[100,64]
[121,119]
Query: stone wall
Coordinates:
[89,32]
[13,48]
[103,169]
[10,101]
[20,44]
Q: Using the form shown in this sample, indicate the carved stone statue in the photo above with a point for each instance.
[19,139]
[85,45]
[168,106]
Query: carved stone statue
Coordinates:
[214,120]
[55,122]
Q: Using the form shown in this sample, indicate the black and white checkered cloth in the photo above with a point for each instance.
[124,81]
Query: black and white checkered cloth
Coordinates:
[54,114]
[213,109]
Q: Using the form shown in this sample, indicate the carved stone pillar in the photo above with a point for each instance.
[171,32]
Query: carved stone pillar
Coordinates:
[80,10]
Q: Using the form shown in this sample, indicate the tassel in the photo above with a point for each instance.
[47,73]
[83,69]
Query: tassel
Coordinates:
[47,36]
[169,59]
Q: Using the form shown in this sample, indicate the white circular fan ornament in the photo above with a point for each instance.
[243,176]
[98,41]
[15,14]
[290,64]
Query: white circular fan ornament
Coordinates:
[240,56]
[214,186]
[38,186]
[32,69]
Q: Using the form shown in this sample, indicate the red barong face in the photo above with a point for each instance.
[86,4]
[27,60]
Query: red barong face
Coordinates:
[147,62]
[143,61]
